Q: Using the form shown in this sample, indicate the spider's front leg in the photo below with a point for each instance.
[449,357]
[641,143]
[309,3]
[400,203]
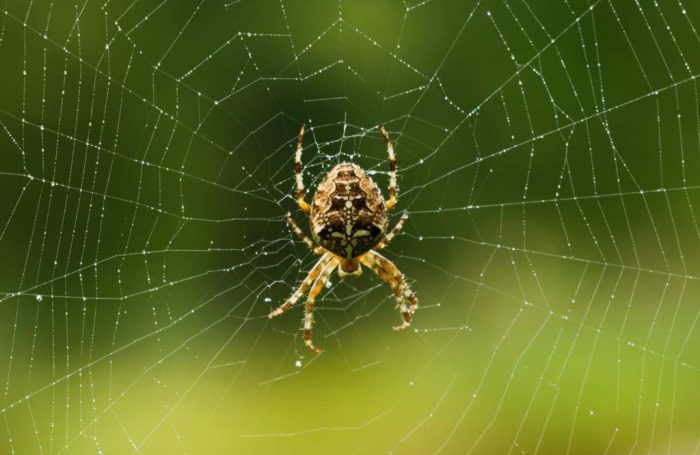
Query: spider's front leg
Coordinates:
[393,232]
[298,175]
[387,271]
[393,198]
[297,230]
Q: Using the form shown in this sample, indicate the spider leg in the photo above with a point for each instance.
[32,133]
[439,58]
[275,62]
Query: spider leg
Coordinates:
[393,198]
[309,309]
[297,173]
[303,287]
[387,271]
[393,232]
[297,230]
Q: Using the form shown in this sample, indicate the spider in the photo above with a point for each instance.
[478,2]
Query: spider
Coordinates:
[348,220]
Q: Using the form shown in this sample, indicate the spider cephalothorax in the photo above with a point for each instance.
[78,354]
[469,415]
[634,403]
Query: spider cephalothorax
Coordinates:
[348,217]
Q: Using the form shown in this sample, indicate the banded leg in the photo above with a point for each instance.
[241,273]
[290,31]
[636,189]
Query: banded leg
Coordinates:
[309,309]
[392,170]
[298,175]
[393,232]
[297,230]
[304,287]
[387,271]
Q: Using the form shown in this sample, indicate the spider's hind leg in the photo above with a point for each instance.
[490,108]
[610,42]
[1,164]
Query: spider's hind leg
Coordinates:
[303,287]
[309,309]
[407,301]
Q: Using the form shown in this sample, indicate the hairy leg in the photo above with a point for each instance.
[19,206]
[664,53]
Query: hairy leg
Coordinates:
[297,230]
[393,198]
[387,271]
[303,287]
[393,233]
[298,175]
[309,309]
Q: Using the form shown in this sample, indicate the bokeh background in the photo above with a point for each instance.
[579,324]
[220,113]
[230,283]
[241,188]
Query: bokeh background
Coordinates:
[548,161]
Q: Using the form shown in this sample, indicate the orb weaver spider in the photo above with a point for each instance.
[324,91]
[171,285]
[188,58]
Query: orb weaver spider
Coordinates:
[348,220]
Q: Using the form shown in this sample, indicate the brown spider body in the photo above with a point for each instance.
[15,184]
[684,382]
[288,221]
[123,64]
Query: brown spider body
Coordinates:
[349,219]
[348,214]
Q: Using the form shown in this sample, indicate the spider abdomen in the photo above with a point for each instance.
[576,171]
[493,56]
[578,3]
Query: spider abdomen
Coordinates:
[348,213]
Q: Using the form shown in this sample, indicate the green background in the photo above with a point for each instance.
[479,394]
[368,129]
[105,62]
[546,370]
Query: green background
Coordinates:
[548,162]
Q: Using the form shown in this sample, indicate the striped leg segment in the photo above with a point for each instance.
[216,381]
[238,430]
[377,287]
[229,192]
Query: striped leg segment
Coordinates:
[309,310]
[298,175]
[297,230]
[392,170]
[393,232]
[387,271]
[304,287]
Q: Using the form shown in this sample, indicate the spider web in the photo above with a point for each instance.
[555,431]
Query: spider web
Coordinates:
[548,162]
